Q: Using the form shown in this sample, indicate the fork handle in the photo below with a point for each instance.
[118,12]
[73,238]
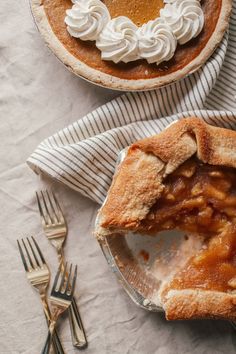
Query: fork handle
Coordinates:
[47,345]
[57,344]
[51,331]
[58,349]
[233,324]
[77,330]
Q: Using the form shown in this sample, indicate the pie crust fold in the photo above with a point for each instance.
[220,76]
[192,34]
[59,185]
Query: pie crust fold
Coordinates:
[137,183]
[192,304]
[189,148]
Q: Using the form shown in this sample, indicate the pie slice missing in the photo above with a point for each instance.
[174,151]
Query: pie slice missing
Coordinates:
[183,178]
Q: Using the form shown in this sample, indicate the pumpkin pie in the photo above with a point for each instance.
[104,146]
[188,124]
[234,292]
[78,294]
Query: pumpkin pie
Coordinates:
[183,178]
[147,25]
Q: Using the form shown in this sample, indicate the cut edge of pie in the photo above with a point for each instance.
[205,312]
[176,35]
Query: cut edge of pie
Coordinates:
[141,183]
[197,304]
[106,80]
[137,183]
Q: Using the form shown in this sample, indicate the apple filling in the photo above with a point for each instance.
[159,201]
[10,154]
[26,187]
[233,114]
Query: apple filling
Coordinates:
[201,199]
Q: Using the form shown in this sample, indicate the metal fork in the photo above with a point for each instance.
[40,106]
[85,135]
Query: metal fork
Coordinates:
[233,324]
[55,228]
[38,275]
[60,299]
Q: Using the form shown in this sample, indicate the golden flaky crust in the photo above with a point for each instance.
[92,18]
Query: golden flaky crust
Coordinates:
[138,184]
[101,78]
[192,303]
[138,181]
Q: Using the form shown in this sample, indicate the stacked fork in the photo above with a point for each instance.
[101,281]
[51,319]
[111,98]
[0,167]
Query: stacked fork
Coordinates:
[38,274]
[55,228]
[60,300]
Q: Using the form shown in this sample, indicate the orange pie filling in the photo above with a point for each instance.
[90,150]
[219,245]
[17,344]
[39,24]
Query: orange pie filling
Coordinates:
[201,199]
[138,11]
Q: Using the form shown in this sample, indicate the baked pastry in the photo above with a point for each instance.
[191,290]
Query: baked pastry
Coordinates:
[145,51]
[183,178]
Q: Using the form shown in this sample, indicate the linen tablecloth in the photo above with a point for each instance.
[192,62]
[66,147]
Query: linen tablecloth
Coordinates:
[38,97]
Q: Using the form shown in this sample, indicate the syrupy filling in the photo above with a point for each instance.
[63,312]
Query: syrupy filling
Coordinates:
[201,199]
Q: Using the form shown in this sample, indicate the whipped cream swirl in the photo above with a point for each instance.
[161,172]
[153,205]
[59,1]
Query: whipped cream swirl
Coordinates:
[157,42]
[118,40]
[185,17]
[86,19]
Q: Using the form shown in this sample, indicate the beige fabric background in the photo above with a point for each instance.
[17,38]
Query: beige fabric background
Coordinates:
[38,96]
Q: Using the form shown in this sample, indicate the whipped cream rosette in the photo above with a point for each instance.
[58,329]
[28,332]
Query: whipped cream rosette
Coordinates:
[185,17]
[156,41]
[86,19]
[120,40]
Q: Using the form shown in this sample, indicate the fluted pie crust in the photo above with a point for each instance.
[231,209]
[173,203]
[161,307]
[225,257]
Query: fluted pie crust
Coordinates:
[84,59]
[183,178]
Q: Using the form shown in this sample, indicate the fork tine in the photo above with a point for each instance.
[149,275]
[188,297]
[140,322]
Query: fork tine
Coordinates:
[22,257]
[56,278]
[27,252]
[51,204]
[41,210]
[59,211]
[33,252]
[68,279]
[63,278]
[73,282]
[39,251]
[46,207]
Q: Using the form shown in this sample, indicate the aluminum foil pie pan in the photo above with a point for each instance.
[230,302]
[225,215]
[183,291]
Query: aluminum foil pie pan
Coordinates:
[142,263]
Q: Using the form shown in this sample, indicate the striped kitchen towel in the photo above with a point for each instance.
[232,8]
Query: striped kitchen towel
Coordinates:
[83,155]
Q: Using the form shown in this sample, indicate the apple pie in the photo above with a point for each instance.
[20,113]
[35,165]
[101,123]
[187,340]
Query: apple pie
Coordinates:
[183,178]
